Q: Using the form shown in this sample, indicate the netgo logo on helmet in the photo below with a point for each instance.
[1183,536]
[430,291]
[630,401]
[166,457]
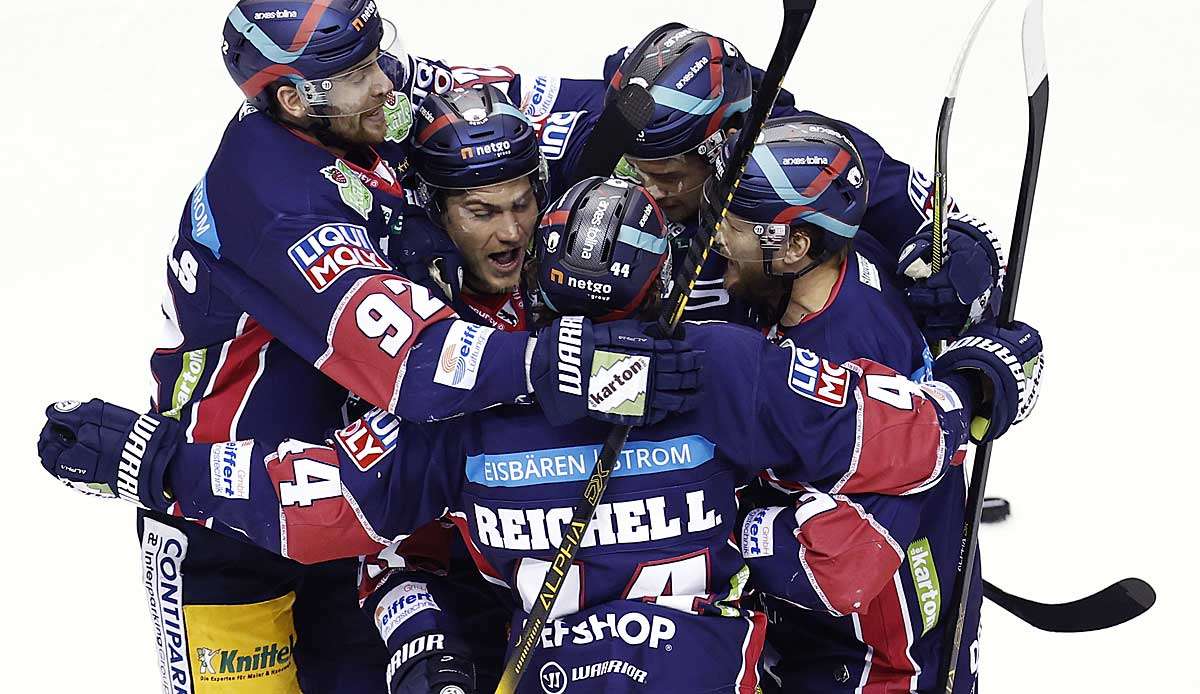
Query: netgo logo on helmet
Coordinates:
[327,252]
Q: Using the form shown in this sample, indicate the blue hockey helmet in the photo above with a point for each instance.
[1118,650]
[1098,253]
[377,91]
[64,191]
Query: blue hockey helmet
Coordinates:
[698,81]
[470,138]
[602,250]
[804,170]
[304,43]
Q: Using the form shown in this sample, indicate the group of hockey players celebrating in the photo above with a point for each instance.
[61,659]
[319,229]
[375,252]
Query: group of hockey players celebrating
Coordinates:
[401,325]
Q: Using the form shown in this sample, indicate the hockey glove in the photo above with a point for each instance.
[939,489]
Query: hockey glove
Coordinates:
[966,290]
[1008,361]
[105,450]
[615,372]
[438,672]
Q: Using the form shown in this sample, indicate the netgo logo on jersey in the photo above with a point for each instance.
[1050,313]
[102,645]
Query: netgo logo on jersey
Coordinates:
[818,379]
[328,251]
[370,439]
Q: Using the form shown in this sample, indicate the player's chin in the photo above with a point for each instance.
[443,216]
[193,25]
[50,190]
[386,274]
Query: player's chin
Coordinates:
[372,127]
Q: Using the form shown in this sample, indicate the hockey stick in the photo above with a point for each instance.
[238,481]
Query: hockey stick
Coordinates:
[615,130]
[942,148]
[796,14]
[1037,83]
[1116,604]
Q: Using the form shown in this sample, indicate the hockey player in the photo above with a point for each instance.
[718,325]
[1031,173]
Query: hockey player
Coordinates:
[482,179]
[793,250]
[702,86]
[279,295]
[652,603]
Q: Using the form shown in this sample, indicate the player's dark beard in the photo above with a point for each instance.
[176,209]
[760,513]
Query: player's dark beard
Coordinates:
[767,295]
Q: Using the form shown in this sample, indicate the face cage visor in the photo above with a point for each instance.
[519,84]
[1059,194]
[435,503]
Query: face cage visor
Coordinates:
[321,95]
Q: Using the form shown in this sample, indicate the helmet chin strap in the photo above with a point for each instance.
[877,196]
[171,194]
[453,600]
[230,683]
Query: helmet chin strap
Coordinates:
[787,280]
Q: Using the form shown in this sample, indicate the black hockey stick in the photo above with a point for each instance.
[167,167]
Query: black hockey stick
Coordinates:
[1116,604]
[615,130]
[1037,82]
[796,14]
[941,153]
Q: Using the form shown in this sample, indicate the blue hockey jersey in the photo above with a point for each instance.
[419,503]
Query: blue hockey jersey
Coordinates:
[659,544]
[893,640]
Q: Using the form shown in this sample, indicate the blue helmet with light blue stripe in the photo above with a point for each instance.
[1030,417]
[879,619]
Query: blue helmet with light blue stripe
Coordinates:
[267,43]
[804,171]
[601,251]
[470,138]
[699,83]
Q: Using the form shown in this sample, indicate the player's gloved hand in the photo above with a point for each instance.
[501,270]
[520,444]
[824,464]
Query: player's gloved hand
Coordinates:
[615,372]
[105,450]
[1007,365]
[441,671]
[966,290]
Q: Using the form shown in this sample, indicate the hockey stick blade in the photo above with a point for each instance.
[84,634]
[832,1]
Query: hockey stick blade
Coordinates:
[615,131]
[941,197]
[1116,604]
[1033,48]
[795,20]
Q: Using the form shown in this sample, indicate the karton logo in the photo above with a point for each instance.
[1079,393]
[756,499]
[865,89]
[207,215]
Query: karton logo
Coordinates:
[925,578]
[462,354]
[67,405]
[327,252]
[855,176]
[552,242]
[634,628]
[618,383]
[360,22]
[818,379]
[400,603]
[369,439]
[229,465]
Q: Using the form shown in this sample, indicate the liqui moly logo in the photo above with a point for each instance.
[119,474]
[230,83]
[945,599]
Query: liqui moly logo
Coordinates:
[370,439]
[327,252]
[818,379]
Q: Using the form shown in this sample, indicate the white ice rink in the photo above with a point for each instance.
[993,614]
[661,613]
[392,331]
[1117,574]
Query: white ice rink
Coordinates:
[111,111]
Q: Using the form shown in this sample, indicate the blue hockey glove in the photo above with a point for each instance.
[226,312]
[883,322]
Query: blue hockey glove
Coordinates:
[615,372]
[1009,363]
[109,451]
[966,291]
